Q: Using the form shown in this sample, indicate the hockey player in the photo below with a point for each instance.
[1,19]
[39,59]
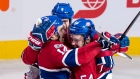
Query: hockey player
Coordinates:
[125,42]
[80,32]
[98,68]
[54,58]
[65,12]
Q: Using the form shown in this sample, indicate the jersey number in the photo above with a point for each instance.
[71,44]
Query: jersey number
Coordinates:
[84,76]
[61,48]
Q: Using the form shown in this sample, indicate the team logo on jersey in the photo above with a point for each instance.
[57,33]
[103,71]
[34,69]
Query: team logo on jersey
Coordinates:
[57,46]
[60,48]
[95,9]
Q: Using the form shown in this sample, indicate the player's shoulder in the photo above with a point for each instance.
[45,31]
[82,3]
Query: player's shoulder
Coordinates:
[49,43]
[57,42]
[55,45]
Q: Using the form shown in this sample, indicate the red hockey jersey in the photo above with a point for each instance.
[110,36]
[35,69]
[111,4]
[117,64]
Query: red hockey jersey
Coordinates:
[54,59]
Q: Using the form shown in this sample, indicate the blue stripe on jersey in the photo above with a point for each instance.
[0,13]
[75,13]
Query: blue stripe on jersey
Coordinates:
[99,61]
[54,75]
[71,58]
[106,74]
[107,60]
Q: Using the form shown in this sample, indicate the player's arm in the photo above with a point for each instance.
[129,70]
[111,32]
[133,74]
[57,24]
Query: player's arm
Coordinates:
[83,55]
[104,61]
[30,53]
[36,40]
[29,56]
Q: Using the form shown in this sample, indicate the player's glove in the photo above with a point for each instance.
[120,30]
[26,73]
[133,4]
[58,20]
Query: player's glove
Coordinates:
[124,43]
[104,61]
[38,35]
[115,43]
[33,73]
[34,42]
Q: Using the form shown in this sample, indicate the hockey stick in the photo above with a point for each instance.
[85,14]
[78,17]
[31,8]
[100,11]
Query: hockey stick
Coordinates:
[126,31]
[130,25]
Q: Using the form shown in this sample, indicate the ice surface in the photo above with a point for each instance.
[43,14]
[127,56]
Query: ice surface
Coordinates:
[124,68]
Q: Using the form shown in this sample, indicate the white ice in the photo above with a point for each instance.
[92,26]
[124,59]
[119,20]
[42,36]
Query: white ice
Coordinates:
[123,69]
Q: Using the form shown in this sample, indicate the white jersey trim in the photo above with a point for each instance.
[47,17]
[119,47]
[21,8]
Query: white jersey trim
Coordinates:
[54,70]
[107,72]
[76,57]
[63,60]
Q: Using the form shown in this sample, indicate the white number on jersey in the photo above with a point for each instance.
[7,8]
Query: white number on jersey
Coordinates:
[61,48]
[84,76]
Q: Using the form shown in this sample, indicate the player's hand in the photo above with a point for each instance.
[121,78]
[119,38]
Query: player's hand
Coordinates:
[124,43]
[38,35]
[35,42]
[104,61]
[113,46]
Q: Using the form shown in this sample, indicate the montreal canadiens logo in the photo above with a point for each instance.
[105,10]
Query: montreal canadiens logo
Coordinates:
[94,9]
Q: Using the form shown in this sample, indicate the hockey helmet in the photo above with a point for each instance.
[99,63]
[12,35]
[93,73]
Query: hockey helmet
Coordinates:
[46,26]
[80,27]
[63,11]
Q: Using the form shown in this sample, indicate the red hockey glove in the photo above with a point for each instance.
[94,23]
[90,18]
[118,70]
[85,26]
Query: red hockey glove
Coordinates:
[35,42]
[124,43]
[115,44]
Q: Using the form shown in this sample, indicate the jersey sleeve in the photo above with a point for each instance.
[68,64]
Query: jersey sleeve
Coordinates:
[29,56]
[95,37]
[79,56]
[104,61]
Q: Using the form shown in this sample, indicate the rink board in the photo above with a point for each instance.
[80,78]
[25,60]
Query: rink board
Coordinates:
[13,49]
